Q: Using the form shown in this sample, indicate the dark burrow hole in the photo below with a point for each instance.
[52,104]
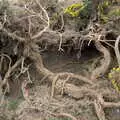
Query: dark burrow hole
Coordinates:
[89,51]
[111,36]
[86,52]
[72,59]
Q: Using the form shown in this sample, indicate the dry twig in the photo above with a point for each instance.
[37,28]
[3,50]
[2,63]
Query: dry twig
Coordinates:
[48,21]
[10,70]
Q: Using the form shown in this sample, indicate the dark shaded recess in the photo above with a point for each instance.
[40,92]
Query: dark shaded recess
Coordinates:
[0,45]
[110,36]
[58,25]
[89,51]
[14,58]
[86,52]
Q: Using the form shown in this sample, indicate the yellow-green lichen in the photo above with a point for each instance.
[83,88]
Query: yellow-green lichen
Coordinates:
[114,76]
[115,85]
[74,9]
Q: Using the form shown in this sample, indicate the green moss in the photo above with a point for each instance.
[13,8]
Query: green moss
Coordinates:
[74,10]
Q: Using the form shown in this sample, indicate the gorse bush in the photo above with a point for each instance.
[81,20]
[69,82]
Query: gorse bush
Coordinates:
[74,10]
[114,76]
[80,9]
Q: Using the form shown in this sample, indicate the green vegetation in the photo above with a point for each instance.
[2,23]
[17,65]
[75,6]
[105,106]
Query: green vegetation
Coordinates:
[74,10]
[114,77]
[102,11]
[106,11]
[103,6]
[79,13]
[79,9]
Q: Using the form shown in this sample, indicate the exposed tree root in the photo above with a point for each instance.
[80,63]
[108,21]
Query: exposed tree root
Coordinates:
[72,90]
[59,115]
[99,110]
[117,50]
[54,78]
[8,73]
[105,63]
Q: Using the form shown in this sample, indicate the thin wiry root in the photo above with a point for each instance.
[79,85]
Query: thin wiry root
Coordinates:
[53,85]
[7,75]
[80,77]
[62,91]
[61,83]
[48,21]
[2,57]
[99,111]
[117,49]
[60,45]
